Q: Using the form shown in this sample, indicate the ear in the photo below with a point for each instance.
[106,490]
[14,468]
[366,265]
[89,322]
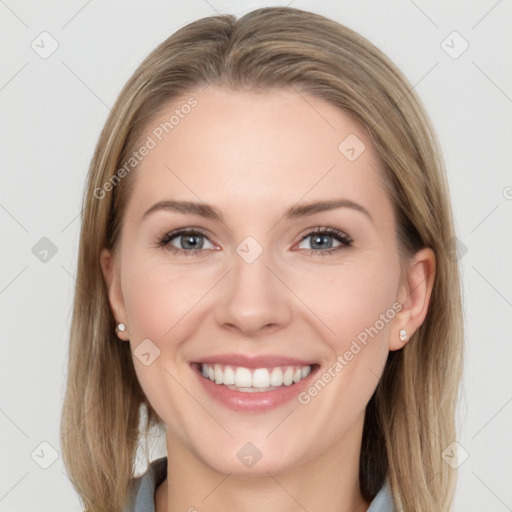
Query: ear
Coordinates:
[111,272]
[414,295]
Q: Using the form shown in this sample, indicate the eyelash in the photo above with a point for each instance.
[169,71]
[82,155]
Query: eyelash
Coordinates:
[345,240]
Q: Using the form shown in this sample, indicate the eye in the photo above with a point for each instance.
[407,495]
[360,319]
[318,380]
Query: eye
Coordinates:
[189,242]
[321,241]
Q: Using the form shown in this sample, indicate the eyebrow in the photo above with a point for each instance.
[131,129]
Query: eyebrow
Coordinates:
[295,212]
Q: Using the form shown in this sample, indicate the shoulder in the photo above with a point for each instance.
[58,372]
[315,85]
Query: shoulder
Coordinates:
[141,496]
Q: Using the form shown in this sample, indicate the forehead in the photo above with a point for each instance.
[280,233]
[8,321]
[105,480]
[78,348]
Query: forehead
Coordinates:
[248,150]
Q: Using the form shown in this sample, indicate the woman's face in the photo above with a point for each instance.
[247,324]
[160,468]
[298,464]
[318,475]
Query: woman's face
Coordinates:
[225,266]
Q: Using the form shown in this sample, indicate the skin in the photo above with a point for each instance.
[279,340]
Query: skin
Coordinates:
[252,155]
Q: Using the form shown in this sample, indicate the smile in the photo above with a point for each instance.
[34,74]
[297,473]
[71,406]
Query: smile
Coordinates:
[253,384]
[254,380]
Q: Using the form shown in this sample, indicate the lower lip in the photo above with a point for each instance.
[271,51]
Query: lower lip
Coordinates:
[257,402]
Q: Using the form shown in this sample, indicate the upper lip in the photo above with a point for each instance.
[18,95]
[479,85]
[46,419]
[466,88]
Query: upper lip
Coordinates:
[261,361]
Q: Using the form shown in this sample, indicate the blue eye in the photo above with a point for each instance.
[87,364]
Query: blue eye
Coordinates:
[192,242]
[321,243]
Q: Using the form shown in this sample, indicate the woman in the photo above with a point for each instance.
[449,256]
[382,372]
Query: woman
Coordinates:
[265,272]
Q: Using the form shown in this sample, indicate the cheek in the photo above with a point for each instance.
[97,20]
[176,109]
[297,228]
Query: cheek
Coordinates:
[356,303]
[351,298]
[159,301]
[158,297]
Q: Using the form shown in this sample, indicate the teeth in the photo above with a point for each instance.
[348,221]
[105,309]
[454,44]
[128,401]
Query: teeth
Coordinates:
[229,375]
[276,377]
[243,378]
[218,374]
[260,379]
[288,376]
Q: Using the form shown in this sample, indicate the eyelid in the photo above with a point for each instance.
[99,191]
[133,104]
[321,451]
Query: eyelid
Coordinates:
[345,241]
[164,240]
[329,230]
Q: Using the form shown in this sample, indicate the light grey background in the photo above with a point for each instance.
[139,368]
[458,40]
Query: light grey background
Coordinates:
[53,110]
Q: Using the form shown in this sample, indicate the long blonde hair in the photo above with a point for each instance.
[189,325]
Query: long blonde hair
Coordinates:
[410,419]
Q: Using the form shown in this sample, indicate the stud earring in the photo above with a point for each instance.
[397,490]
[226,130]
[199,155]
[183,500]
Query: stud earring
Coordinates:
[121,328]
[403,334]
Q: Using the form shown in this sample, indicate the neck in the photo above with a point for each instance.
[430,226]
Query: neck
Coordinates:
[329,483]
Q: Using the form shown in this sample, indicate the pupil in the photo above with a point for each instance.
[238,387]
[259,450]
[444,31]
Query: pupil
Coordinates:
[188,242]
[321,241]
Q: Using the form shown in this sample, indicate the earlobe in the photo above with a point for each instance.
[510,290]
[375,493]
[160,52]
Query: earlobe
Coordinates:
[115,297]
[415,296]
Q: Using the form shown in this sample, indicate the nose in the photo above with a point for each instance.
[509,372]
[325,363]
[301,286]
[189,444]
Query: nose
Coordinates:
[254,298]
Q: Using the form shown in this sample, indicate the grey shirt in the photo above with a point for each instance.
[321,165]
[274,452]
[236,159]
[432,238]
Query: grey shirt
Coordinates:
[143,488]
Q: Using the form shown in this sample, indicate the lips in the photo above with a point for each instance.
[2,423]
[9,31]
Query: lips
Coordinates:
[262,361]
[253,384]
